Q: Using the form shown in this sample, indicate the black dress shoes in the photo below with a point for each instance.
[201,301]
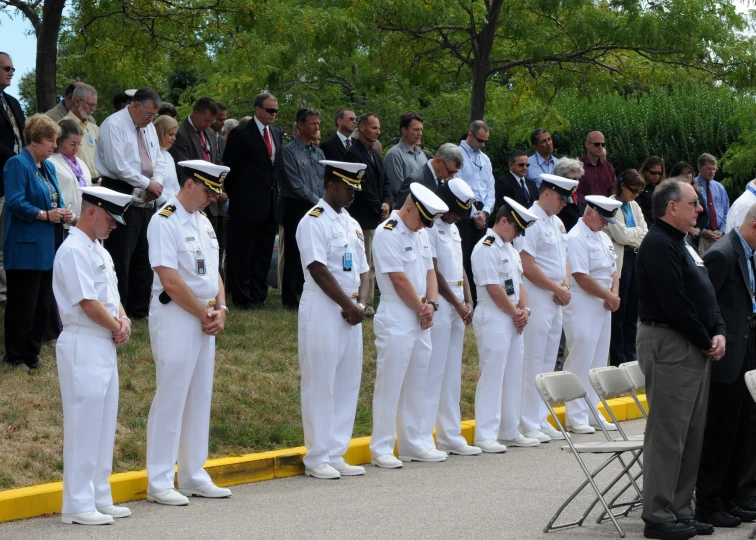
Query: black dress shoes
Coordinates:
[701,528]
[719,518]
[746,516]
[748,504]
[669,530]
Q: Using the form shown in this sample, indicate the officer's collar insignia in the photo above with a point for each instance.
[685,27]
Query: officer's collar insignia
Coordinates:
[167,211]
[315,212]
[489,240]
[203,213]
[390,224]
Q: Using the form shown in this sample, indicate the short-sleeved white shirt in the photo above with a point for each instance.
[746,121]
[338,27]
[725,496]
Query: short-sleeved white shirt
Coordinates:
[546,241]
[591,253]
[740,208]
[187,243]
[397,249]
[325,236]
[446,247]
[83,270]
[494,262]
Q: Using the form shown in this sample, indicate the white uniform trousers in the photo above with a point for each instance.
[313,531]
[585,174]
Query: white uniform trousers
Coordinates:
[497,397]
[541,336]
[88,376]
[444,381]
[587,327]
[401,369]
[178,425]
[330,363]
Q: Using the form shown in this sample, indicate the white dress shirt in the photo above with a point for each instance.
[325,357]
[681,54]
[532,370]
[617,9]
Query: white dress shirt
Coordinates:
[270,133]
[478,173]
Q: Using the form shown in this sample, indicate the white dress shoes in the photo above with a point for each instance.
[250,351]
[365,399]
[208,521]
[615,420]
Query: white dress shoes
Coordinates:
[539,435]
[464,450]
[607,425]
[553,433]
[323,471]
[387,461]
[86,518]
[583,429]
[169,497]
[345,469]
[209,491]
[430,455]
[490,446]
[115,511]
[520,440]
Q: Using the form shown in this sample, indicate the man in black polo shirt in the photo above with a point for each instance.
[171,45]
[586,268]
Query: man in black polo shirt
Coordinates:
[681,331]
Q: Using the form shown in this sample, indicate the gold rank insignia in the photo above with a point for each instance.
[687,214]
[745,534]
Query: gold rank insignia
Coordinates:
[203,213]
[390,224]
[168,210]
[489,240]
[315,212]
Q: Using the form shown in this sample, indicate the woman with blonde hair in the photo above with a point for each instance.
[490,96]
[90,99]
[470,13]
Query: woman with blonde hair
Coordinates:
[166,128]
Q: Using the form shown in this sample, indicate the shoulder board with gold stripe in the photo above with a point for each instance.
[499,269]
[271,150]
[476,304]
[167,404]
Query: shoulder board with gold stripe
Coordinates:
[390,224]
[203,213]
[489,240]
[167,211]
[315,212]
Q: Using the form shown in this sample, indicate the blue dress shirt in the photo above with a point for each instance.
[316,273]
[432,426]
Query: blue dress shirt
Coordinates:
[721,200]
[539,166]
[478,174]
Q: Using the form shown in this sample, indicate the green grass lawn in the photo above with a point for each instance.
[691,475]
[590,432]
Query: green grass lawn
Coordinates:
[255,400]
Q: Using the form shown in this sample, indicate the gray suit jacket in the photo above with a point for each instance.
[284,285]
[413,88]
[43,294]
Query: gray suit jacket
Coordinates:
[422,176]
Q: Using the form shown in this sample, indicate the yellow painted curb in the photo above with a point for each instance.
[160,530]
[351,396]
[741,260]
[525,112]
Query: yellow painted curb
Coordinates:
[130,486]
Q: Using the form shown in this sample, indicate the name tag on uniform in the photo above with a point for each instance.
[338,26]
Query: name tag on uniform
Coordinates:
[441,231]
[408,248]
[102,267]
[188,239]
[201,270]
[509,287]
[347,262]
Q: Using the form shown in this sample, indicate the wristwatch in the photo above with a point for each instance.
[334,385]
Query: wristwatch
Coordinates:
[434,304]
[225,308]
[363,306]
[528,310]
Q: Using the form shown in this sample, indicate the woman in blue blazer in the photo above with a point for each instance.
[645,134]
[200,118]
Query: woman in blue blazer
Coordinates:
[34,215]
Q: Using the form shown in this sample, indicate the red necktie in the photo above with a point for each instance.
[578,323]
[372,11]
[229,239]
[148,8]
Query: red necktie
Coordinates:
[268,142]
[203,144]
[712,211]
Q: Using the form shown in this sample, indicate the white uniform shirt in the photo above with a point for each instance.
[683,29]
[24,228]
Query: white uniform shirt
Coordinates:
[397,249]
[187,243]
[325,236]
[446,247]
[83,270]
[496,262]
[591,253]
[546,241]
[117,154]
[738,210]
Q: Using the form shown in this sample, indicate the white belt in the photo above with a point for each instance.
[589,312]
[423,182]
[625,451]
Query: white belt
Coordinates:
[457,283]
[352,293]
[96,331]
[392,296]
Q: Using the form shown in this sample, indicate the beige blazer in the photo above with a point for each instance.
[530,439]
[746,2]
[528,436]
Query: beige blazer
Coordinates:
[69,185]
[623,236]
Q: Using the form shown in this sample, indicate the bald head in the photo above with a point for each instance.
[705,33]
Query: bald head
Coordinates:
[594,146]
[748,227]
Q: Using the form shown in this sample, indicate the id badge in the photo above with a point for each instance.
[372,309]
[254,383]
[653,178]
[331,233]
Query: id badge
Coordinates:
[347,260]
[201,267]
[509,287]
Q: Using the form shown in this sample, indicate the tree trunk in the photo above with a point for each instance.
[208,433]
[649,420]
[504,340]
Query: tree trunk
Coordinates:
[47,53]
[484,42]
[478,94]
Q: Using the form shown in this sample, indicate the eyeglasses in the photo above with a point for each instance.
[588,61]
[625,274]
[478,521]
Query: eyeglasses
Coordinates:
[9,69]
[90,105]
[598,144]
[655,173]
[351,118]
[450,171]
[693,203]
[149,115]
[269,111]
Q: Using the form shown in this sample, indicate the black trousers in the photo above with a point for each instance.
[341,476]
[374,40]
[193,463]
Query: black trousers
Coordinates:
[470,235]
[27,314]
[726,471]
[219,226]
[292,281]
[128,247]
[625,319]
[248,256]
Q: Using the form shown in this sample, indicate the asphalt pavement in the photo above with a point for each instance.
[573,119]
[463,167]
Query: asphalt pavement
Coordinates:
[507,496]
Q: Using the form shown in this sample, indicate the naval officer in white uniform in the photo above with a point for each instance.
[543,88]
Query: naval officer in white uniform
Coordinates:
[588,317]
[500,318]
[455,310]
[94,322]
[404,271]
[186,313]
[547,278]
[332,250]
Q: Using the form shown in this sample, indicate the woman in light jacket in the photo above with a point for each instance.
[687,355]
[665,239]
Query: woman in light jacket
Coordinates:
[72,172]
[626,233]
[166,128]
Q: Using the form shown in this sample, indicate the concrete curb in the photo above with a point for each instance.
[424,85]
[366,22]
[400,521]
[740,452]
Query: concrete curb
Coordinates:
[48,498]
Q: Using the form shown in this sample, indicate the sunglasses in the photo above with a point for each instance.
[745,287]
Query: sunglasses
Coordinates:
[351,118]
[631,190]
[269,111]
[481,141]
[598,144]
[655,173]
[523,164]
[9,69]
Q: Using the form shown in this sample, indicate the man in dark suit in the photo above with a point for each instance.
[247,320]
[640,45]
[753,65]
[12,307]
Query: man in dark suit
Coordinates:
[255,155]
[445,164]
[725,458]
[372,205]
[217,126]
[514,184]
[11,141]
[335,148]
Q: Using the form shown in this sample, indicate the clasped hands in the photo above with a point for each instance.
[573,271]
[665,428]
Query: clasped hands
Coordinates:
[213,322]
[465,312]
[124,333]
[717,350]
[562,295]
[426,316]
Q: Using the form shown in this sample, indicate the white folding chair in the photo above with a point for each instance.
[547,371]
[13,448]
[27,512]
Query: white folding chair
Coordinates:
[635,374]
[565,386]
[750,380]
[610,382]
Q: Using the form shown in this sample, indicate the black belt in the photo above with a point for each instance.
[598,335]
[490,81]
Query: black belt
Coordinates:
[656,324]
[117,185]
[631,248]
